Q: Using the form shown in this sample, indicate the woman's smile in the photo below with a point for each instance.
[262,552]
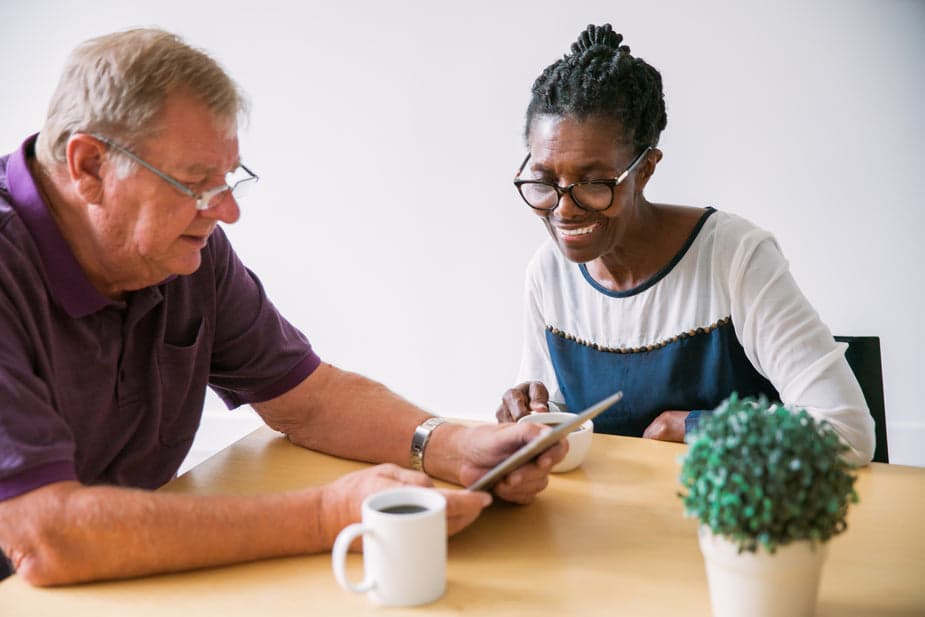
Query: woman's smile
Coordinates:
[570,234]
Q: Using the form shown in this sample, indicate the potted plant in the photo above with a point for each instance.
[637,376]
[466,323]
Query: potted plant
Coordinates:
[770,488]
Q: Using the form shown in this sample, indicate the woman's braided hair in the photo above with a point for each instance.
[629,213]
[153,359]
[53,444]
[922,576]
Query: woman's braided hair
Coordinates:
[601,78]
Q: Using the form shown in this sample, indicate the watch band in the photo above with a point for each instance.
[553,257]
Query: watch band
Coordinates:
[420,438]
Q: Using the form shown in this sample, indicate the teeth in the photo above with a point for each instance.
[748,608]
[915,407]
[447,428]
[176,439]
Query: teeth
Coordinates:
[577,232]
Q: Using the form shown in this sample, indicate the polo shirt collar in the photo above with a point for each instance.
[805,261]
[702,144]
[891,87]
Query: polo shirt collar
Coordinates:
[68,282]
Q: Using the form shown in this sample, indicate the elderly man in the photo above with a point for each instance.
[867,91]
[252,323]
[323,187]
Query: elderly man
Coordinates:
[121,300]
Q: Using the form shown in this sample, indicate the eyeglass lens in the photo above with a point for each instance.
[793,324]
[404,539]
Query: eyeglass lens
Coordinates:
[237,182]
[591,196]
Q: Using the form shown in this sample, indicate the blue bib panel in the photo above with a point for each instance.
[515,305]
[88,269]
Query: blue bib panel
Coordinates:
[695,370]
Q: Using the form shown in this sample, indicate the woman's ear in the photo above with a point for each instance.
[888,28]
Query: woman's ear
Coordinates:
[647,168]
[85,158]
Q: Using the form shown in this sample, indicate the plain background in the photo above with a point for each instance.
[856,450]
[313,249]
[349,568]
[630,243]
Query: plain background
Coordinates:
[386,135]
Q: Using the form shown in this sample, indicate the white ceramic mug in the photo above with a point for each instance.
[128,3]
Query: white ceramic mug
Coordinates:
[579,440]
[404,547]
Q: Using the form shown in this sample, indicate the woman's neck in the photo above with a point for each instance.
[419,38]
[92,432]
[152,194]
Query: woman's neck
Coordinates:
[631,262]
[653,236]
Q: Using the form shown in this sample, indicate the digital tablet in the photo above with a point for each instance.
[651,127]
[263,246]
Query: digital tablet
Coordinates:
[534,448]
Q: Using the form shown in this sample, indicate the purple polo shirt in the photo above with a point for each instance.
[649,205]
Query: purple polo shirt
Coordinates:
[111,392]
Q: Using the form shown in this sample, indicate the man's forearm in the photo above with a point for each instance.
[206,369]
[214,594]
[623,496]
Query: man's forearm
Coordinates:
[66,533]
[348,415]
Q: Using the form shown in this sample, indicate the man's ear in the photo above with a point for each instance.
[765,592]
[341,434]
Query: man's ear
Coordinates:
[85,162]
[647,168]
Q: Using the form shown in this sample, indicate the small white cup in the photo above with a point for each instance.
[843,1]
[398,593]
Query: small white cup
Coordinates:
[404,547]
[579,440]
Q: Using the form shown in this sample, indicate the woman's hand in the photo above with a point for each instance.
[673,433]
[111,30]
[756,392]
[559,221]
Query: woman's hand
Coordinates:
[667,426]
[522,400]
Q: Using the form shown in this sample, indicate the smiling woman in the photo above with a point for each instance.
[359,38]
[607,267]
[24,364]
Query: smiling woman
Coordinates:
[677,305]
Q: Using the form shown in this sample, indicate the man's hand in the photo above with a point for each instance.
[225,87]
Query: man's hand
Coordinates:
[521,400]
[341,500]
[477,449]
[667,426]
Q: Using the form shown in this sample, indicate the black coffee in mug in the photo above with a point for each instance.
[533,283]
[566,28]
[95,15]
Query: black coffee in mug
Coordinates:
[403,509]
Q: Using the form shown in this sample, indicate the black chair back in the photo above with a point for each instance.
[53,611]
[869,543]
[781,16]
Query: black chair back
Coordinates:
[863,355]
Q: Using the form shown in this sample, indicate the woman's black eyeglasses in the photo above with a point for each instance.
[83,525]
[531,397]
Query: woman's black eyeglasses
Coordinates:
[593,195]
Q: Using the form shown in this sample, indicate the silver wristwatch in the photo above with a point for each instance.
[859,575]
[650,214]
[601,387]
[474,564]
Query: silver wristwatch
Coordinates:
[420,438]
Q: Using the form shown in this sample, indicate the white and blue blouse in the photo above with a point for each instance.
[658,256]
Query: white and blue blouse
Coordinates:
[725,315]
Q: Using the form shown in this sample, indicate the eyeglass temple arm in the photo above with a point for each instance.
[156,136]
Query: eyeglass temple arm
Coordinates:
[632,166]
[520,170]
[184,189]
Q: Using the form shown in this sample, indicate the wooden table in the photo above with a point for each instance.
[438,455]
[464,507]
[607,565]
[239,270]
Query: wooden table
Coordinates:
[607,539]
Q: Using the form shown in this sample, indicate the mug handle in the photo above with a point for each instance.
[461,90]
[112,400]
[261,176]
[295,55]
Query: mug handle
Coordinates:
[339,555]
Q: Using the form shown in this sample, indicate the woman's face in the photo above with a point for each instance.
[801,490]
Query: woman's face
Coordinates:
[564,150]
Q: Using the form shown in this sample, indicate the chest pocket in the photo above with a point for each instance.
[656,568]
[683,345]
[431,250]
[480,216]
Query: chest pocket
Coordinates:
[183,371]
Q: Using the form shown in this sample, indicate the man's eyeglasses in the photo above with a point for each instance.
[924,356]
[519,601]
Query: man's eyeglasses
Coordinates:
[593,195]
[205,200]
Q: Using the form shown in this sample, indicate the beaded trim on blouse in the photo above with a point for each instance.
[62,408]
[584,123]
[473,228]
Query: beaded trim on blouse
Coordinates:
[652,347]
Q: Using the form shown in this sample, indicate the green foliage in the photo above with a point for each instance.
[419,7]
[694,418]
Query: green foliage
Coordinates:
[761,474]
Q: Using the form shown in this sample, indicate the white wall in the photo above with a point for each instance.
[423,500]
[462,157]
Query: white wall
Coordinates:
[386,135]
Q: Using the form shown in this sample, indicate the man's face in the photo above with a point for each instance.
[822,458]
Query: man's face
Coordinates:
[147,228]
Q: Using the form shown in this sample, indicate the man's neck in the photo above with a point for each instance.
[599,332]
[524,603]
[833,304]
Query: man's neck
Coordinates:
[70,217]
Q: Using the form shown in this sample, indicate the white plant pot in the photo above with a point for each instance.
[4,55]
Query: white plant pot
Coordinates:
[759,584]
